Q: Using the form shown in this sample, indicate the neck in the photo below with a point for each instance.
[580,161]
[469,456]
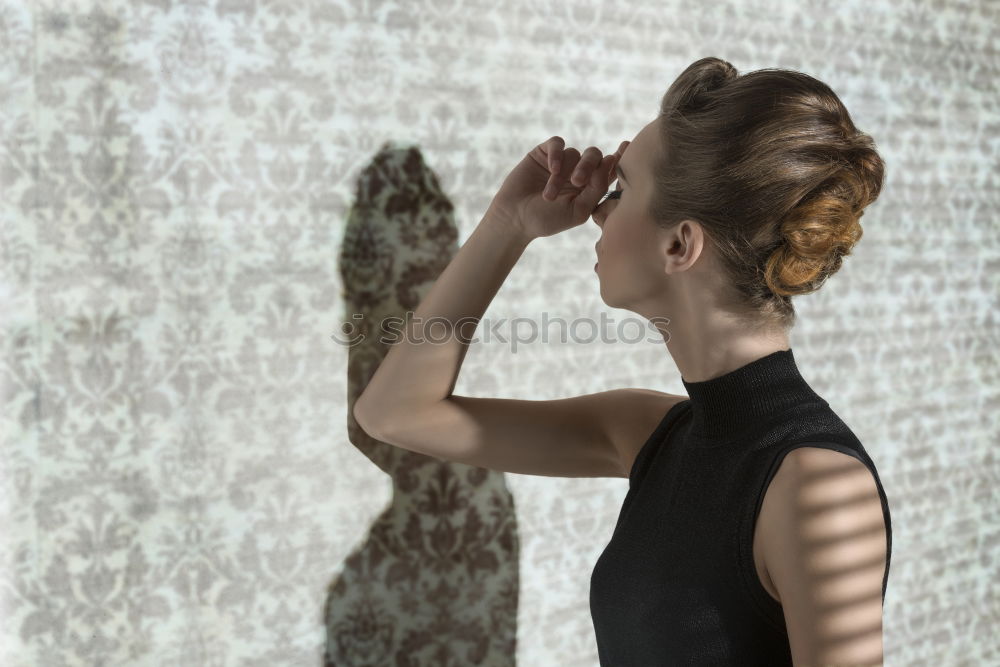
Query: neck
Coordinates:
[711,353]
[729,404]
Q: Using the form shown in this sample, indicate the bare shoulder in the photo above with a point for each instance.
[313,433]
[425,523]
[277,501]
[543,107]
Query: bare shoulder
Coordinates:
[633,415]
[825,544]
[810,479]
[825,471]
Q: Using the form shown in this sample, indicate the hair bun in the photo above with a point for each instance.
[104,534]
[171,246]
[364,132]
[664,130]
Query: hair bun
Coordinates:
[700,78]
[816,236]
[715,72]
[823,228]
[868,167]
[774,169]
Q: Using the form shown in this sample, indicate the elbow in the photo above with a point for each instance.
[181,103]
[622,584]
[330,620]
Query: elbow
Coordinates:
[366,419]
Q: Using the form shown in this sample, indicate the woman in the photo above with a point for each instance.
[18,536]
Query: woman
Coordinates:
[756,530]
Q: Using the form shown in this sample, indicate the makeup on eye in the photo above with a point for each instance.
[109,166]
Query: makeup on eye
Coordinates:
[622,180]
[612,194]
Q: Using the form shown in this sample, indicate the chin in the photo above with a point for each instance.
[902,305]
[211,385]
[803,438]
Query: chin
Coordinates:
[610,303]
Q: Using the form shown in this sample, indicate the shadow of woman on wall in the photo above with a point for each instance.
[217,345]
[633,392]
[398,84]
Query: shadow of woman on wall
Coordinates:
[435,582]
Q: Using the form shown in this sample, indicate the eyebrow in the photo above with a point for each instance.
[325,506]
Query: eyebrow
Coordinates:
[621,174]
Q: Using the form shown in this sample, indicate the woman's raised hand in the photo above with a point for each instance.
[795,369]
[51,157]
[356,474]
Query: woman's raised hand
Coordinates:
[555,188]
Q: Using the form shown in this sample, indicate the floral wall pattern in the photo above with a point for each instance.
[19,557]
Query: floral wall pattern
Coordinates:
[189,226]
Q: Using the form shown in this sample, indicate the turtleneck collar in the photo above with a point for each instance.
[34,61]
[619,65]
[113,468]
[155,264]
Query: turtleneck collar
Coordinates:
[730,404]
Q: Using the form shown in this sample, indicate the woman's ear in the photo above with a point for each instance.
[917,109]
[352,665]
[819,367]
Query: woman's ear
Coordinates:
[682,246]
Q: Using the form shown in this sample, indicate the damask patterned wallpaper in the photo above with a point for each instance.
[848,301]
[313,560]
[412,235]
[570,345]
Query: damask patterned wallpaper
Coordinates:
[194,211]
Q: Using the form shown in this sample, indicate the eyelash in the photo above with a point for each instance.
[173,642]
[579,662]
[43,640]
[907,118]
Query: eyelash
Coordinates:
[611,194]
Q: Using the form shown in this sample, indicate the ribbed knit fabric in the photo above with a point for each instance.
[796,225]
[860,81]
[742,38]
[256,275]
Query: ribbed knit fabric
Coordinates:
[676,585]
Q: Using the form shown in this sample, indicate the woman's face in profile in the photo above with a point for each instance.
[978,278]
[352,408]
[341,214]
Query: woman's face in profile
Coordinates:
[626,250]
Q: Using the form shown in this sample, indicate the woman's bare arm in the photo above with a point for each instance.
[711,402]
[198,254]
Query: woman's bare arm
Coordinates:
[409,401]
[421,368]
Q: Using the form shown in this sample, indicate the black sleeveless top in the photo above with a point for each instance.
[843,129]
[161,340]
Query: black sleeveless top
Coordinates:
[676,584]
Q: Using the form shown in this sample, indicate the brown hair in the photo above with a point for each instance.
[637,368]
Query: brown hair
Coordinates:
[772,167]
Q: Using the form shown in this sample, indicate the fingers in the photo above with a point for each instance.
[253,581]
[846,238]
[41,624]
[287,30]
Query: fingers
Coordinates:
[599,181]
[605,173]
[588,162]
[569,159]
[554,151]
[568,165]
